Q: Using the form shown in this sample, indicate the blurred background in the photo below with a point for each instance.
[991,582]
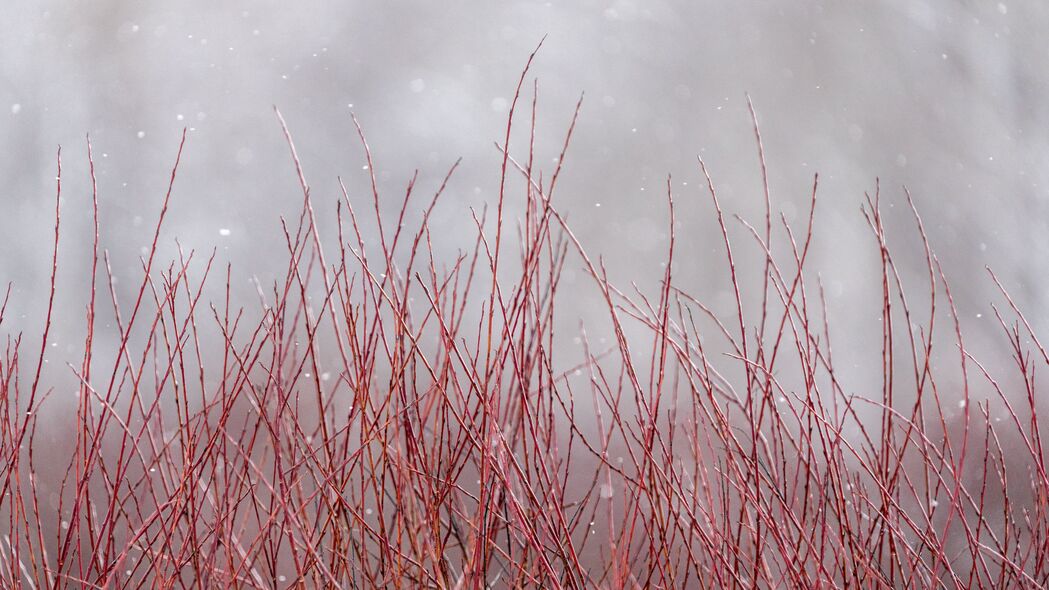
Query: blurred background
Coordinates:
[946,97]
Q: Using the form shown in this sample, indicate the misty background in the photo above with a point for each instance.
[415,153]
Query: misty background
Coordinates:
[946,97]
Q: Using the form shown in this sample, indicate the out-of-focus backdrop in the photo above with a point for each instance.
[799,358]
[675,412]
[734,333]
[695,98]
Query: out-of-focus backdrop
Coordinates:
[947,97]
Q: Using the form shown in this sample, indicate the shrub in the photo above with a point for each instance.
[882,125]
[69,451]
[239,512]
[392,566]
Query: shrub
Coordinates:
[385,418]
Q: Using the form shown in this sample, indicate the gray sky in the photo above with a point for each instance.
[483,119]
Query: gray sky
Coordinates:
[944,96]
